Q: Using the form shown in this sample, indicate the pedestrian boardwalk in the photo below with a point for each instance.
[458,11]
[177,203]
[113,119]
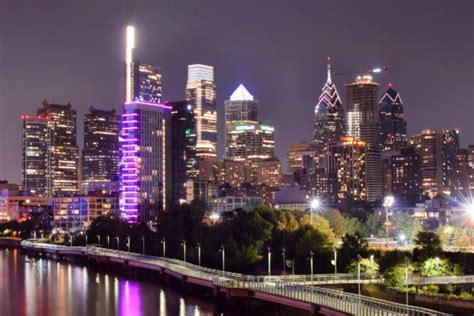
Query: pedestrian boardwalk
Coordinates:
[290,290]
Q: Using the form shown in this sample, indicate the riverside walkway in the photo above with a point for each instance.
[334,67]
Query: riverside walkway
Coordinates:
[295,291]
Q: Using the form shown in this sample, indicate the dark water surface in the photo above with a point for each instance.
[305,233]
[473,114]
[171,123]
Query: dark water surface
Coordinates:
[49,287]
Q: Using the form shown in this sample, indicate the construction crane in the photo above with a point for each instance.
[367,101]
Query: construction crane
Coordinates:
[370,70]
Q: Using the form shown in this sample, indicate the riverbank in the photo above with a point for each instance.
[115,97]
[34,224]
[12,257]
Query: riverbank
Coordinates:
[441,303]
[10,242]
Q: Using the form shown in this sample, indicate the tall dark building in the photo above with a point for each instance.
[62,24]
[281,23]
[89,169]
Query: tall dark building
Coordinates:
[392,121]
[35,162]
[449,150]
[329,117]
[63,150]
[183,149]
[406,177]
[364,124]
[459,179]
[100,156]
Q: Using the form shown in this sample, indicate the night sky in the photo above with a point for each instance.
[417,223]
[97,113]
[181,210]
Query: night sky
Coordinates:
[73,51]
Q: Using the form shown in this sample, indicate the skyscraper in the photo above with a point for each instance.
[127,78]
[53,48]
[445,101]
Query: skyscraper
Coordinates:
[346,167]
[329,117]
[144,165]
[201,94]
[450,148]
[459,178]
[142,81]
[35,162]
[251,141]
[393,124]
[184,165]
[100,156]
[428,145]
[63,150]
[405,176]
[296,156]
[364,124]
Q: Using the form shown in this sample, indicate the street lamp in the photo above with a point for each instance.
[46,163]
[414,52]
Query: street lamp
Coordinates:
[387,203]
[163,242]
[311,254]
[198,246]
[143,244]
[269,258]
[315,203]
[335,262]
[183,243]
[34,234]
[283,253]
[108,241]
[117,238]
[98,239]
[223,257]
[128,243]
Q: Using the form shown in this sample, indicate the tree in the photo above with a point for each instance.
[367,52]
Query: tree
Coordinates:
[439,267]
[428,245]
[367,266]
[403,224]
[319,223]
[352,247]
[373,226]
[341,225]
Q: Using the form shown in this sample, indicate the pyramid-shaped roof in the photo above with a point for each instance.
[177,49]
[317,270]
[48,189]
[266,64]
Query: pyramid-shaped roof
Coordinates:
[391,95]
[241,94]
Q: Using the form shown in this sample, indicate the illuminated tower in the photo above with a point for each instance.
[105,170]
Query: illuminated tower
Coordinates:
[35,162]
[392,121]
[364,124]
[201,94]
[101,153]
[449,151]
[63,150]
[329,114]
[143,163]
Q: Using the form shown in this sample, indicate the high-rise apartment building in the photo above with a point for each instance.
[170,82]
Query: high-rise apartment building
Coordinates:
[100,156]
[346,165]
[405,176]
[184,165]
[35,156]
[63,150]
[470,163]
[428,145]
[450,139]
[459,177]
[392,121]
[201,94]
[144,166]
[364,124]
[329,117]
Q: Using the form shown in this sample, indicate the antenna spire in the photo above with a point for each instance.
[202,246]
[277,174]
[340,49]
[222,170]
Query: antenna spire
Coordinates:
[329,81]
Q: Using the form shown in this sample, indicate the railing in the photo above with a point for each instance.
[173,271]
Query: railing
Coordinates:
[454,279]
[285,286]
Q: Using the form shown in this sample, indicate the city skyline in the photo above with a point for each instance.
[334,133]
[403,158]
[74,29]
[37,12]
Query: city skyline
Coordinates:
[250,70]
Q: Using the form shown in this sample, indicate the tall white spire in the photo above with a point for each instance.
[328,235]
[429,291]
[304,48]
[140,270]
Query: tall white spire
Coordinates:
[329,81]
[130,40]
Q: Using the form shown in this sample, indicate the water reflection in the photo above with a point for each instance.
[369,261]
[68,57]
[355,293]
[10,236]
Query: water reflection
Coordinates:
[45,287]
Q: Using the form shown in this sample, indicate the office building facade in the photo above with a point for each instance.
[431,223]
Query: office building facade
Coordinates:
[201,94]
[392,121]
[100,156]
[63,150]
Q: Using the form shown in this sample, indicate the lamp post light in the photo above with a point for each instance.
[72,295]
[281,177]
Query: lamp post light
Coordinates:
[222,250]
[163,243]
[283,253]
[143,245]
[183,243]
[198,246]
[86,238]
[315,203]
[108,241]
[128,243]
[269,258]
[387,203]
[34,234]
[98,239]
[71,239]
[117,239]
[335,262]
[311,254]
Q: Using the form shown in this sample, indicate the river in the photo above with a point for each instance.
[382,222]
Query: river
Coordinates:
[48,287]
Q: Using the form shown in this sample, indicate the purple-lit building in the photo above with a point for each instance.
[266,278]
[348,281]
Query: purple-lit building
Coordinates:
[144,140]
